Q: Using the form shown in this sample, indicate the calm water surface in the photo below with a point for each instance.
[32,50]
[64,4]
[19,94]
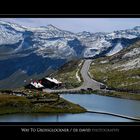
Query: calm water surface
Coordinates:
[88,101]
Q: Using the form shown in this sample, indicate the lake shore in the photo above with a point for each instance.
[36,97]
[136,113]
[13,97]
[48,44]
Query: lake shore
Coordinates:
[10,104]
[17,104]
[109,93]
[117,94]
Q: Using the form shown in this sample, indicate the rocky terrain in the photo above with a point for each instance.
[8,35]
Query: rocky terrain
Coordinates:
[31,53]
[120,71]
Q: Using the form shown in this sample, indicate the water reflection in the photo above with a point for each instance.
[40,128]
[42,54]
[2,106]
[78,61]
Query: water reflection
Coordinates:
[82,117]
[104,103]
[91,102]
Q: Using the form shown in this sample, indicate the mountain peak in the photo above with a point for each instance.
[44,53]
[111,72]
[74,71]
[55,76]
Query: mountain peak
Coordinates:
[136,28]
[50,26]
[13,25]
[86,32]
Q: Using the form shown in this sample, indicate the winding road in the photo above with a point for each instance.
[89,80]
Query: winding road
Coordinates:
[87,81]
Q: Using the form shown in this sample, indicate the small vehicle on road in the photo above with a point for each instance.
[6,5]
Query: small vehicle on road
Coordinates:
[89,89]
[83,90]
[102,86]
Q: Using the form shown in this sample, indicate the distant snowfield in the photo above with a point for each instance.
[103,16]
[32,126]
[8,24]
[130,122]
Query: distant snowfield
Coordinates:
[49,41]
[134,52]
[115,50]
[131,64]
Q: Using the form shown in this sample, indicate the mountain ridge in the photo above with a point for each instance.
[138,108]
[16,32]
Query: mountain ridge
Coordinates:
[43,37]
[120,72]
[51,44]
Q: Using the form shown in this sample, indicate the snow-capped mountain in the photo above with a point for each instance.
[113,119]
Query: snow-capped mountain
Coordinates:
[35,50]
[127,59]
[45,41]
[130,57]
[32,51]
[52,42]
[108,43]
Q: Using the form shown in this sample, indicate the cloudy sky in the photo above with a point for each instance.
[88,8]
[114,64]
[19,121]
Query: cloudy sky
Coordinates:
[80,24]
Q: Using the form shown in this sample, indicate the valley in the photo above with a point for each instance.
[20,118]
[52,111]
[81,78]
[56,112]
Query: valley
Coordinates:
[90,72]
[87,83]
[51,48]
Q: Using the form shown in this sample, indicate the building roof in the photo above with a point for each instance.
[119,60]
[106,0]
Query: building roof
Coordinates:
[37,85]
[53,80]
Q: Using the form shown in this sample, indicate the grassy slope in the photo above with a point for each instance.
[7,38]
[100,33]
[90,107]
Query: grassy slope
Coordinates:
[62,106]
[15,104]
[17,79]
[127,81]
[67,74]
[124,80]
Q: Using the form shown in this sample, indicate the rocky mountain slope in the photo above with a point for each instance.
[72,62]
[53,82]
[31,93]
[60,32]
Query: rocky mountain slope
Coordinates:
[39,51]
[120,71]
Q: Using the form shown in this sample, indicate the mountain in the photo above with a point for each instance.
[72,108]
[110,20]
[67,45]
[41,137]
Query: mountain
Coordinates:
[31,51]
[120,71]
[37,51]
[107,44]
[16,40]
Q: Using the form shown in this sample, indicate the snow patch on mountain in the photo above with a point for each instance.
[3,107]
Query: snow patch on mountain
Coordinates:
[51,41]
[115,50]
[55,49]
[132,64]
[95,46]
[9,37]
[15,26]
[134,52]
[120,35]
